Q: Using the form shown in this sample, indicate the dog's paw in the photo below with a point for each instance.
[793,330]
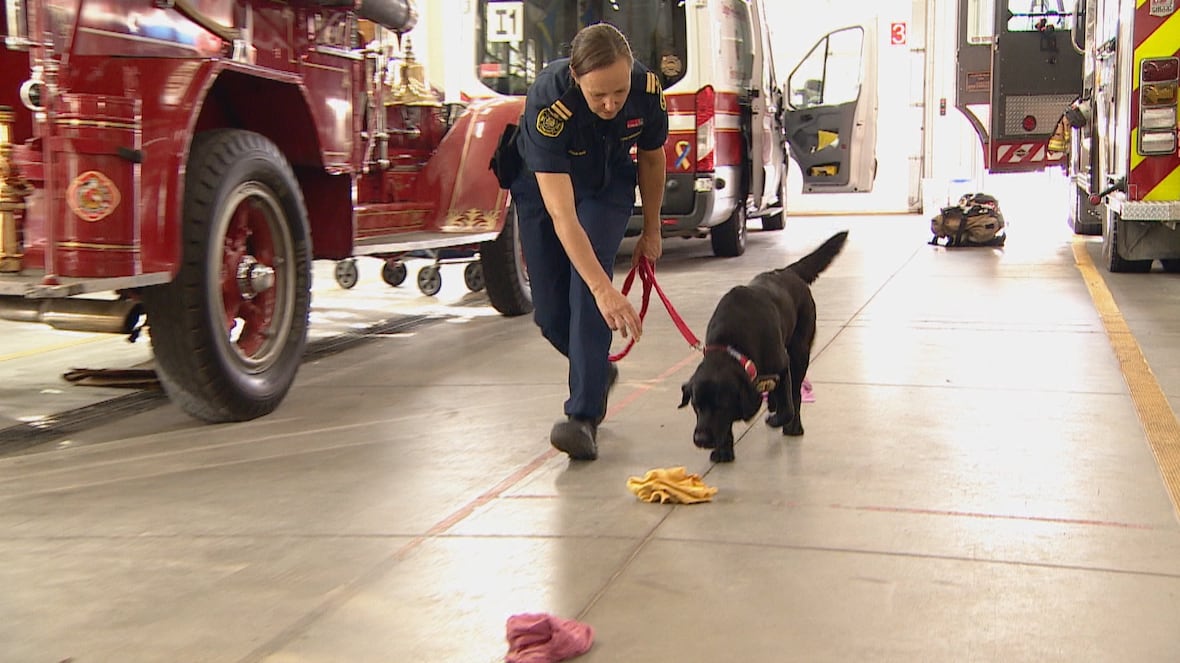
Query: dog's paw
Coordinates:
[722,456]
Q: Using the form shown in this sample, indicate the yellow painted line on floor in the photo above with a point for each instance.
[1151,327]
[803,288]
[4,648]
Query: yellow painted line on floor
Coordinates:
[32,352]
[1155,413]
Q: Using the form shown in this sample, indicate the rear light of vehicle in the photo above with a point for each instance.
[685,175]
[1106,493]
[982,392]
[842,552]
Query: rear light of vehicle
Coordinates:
[706,110]
[1160,69]
[1029,123]
[1159,79]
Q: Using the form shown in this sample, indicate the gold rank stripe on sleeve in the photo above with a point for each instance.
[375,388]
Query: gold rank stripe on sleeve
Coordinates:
[561,110]
[653,83]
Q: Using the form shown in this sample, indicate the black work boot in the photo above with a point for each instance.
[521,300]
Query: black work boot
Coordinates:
[576,437]
[612,376]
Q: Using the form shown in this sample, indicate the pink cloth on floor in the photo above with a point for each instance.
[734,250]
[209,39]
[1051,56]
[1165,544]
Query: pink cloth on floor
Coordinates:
[807,395]
[544,638]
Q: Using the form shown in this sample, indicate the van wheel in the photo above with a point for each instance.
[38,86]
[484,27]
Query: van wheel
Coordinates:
[729,237]
[505,275]
[228,332]
[1115,263]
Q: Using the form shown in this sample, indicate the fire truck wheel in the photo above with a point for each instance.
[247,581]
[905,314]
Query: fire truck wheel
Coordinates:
[429,280]
[473,277]
[347,273]
[505,274]
[393,272]
[729,237]
[229,331]
[1115,263]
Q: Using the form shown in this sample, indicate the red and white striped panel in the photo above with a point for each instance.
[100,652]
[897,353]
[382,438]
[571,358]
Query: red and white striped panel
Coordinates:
[1023,155]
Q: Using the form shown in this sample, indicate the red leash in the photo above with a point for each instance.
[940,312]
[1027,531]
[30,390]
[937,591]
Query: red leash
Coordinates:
[647,274]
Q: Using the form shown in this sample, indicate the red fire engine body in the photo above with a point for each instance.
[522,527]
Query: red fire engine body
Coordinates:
[194,157]
[1124,160]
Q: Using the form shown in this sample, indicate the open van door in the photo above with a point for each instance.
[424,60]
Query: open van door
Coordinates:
[831,112]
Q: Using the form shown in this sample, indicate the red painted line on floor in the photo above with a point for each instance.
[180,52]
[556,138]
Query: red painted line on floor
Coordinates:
[639,391]
[521,473]
[993,516]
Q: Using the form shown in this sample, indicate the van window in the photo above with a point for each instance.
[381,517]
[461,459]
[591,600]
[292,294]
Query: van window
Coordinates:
[831,73]
[737,40]
[516,39]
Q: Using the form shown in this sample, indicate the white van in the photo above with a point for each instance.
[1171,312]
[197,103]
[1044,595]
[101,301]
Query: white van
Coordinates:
[730,122]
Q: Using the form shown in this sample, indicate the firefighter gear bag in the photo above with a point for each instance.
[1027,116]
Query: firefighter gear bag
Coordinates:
[975,221]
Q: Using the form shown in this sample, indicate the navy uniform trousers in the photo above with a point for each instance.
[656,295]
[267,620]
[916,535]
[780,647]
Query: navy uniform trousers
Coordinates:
[563,306]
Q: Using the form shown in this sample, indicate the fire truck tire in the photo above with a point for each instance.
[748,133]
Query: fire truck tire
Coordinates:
[1114,262]
[229,331]
[505,274]
[729,236]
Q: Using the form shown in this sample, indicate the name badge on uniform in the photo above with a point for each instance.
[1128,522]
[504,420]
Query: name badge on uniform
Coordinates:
[636,122]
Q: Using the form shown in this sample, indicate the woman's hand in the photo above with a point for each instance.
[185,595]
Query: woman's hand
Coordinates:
[618,313]
[650,245]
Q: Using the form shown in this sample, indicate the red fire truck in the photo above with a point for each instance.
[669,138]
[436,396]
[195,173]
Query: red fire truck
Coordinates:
[1124,159]
[1090,86]
[188,159]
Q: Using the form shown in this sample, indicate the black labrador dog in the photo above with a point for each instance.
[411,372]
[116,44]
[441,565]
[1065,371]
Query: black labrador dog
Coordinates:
[758,341]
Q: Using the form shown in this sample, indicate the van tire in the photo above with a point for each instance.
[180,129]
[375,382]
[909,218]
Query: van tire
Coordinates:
[729,236]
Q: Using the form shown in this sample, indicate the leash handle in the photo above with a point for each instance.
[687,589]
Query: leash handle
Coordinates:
[647,274]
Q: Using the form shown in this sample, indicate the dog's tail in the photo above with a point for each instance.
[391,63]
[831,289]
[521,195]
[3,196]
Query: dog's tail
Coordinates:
[809,267]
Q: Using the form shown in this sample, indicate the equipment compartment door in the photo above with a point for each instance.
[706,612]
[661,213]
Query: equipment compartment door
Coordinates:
[1036,75]
[831,112]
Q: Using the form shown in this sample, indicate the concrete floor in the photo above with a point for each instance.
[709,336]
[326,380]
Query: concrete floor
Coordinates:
[974,483]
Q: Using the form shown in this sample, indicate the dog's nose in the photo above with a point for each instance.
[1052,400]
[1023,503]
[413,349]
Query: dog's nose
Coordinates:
[702,439]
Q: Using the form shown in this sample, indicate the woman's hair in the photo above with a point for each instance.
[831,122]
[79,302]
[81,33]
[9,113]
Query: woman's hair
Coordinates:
[596,47]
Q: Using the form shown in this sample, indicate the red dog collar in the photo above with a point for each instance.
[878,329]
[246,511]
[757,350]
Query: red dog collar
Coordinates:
[747,363]
[763,383]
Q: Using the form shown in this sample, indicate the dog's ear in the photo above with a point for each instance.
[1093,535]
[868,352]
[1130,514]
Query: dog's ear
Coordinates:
[750,401]
[685,394]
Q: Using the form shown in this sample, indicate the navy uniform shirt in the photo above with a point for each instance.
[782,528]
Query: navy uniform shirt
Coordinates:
[560,134]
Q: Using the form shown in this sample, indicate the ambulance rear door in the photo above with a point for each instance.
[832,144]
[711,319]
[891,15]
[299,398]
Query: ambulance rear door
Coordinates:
[830,113]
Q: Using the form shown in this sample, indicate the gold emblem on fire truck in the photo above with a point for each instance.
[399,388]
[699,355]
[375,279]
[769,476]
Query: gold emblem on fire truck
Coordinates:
[549,124]
[92,196]
[470,220]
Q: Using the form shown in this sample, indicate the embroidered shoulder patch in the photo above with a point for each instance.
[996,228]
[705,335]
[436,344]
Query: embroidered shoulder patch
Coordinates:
[549,124]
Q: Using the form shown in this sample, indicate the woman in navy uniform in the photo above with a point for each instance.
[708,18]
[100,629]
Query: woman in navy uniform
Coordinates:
[574,197]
